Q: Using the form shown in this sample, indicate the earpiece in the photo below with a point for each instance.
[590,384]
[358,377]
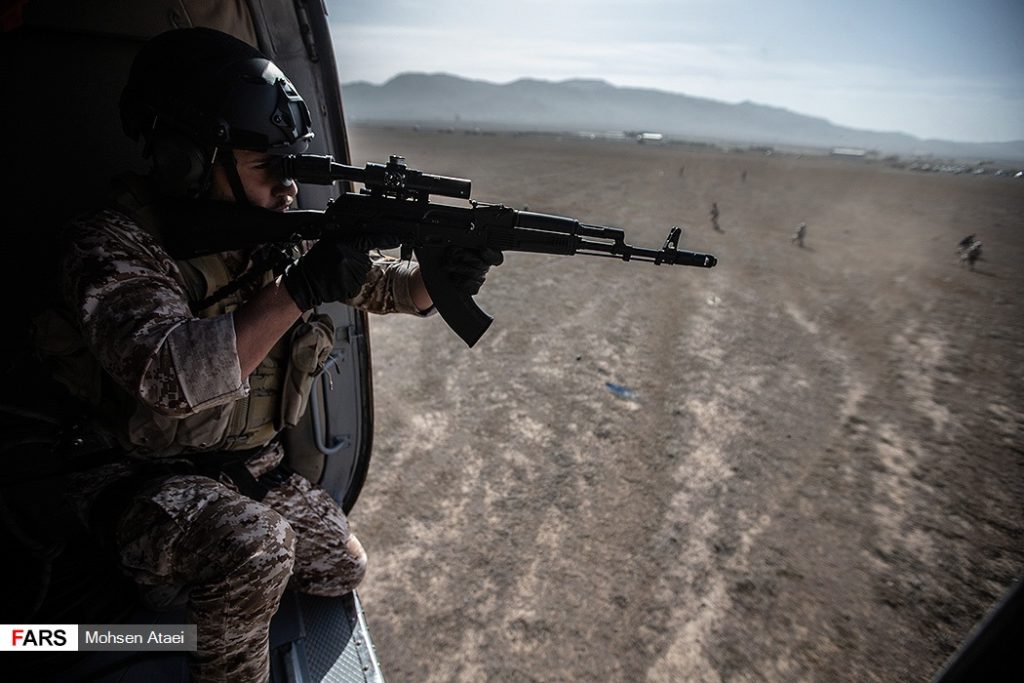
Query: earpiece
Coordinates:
[180,167]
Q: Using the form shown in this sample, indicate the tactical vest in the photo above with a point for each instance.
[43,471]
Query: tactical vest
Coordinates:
[278,388]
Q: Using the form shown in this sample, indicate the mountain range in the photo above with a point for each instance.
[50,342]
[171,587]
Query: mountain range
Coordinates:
[586,105]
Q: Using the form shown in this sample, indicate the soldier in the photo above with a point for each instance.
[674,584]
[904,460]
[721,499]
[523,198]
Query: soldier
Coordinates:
[799,234]
[714,217]
[969,250]
[971,253]
[194,388]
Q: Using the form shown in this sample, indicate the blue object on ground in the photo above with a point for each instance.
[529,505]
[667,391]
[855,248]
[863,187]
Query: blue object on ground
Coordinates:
[621,391]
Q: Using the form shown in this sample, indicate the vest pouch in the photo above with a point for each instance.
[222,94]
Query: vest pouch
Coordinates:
[156,433]
[255,416]
[312,342]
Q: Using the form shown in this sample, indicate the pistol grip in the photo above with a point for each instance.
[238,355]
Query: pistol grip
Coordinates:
[463,316]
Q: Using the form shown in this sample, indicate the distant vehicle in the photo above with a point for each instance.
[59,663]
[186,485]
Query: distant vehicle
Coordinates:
[649,137]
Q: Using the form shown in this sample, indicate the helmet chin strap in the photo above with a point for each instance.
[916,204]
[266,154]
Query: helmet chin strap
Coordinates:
[227,159]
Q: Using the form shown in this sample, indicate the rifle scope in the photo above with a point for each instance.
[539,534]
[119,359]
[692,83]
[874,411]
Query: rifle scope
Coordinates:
[392,179]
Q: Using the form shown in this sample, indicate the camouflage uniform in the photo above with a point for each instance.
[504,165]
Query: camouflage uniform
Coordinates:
[178,376]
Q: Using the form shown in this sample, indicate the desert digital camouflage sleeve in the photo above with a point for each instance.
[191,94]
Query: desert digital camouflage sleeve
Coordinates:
[134,315]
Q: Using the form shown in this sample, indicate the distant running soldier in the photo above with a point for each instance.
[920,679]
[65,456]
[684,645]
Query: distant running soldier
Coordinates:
[799,234]
[970,251]
[714,217]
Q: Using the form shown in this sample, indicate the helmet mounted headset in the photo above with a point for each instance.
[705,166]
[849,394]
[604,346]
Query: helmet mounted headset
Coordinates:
[194,95]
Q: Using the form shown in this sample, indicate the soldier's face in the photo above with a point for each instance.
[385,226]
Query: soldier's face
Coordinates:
[262,179]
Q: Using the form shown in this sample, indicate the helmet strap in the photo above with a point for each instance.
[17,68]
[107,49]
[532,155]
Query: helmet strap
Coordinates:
[227,159]
[207,178]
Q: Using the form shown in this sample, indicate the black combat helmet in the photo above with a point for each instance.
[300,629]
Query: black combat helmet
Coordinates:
[194,94]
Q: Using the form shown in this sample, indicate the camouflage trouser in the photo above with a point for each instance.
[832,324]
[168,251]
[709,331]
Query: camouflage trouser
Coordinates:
[237,556]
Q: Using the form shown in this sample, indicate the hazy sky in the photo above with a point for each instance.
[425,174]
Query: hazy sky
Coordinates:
[950,69]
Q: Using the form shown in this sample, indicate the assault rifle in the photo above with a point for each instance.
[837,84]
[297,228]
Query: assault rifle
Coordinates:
[394,208]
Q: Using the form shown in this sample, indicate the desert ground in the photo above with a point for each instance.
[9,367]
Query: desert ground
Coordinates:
[817,472]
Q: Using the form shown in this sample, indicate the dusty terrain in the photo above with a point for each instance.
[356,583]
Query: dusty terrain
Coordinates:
[819,475]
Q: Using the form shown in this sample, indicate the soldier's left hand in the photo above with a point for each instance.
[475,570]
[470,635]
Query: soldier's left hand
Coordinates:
[467,268]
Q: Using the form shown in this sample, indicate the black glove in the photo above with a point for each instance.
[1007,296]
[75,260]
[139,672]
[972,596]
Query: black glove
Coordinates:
[467,268]
[333,270]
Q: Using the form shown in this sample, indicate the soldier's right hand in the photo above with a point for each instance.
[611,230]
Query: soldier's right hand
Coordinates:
[333,270]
